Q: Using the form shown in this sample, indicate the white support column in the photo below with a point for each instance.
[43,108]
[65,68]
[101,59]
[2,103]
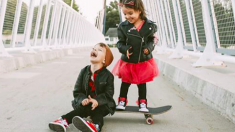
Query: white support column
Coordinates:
[189,9]
[162,49]
[65,28]
[45,25]
[62,26]
[71,3]
[160,32]
[75,28]
[83,34]
[16,22]
[168,16]
[78,31]
[178,53]
[29,21]
[209,57]
[87,40]
[56,30]
[75,31]
[38,23]
[3,52]
[154,10]
[233,6]
[52,25]
[70,29]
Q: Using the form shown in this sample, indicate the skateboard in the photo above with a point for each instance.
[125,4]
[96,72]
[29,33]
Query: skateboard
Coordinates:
[148,115]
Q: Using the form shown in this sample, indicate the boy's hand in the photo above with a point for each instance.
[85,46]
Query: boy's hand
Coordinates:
[146,51]
[85,102]
[128,54]
[93,101]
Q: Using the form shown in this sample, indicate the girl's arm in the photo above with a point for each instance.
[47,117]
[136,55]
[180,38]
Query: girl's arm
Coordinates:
[150,45]
[104,98]
[78,92]
[121,44]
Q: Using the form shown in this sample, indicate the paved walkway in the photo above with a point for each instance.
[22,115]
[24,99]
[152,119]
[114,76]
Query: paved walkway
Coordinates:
[33,96]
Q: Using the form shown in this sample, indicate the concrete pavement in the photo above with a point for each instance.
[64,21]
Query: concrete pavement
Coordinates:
[33,96]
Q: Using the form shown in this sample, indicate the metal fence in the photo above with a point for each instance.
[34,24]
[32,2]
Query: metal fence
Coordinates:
[43,24]
[223,12]
[206,26]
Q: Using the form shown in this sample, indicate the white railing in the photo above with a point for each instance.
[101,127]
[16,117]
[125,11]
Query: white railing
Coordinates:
[43,24]
[204,28]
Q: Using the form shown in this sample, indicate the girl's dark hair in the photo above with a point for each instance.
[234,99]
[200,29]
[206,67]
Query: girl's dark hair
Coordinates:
[137,5]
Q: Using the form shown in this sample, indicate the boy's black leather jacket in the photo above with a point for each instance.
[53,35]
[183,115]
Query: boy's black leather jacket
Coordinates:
[137,40]
[104,88]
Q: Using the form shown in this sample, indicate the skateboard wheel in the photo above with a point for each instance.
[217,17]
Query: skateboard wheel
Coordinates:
[148,116]
[149,121]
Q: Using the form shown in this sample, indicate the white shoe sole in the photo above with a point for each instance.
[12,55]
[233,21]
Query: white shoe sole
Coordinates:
[57,127]
[146,110]
[120,108]
[81,124]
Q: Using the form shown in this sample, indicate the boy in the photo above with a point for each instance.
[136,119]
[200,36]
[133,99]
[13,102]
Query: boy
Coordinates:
[93,94]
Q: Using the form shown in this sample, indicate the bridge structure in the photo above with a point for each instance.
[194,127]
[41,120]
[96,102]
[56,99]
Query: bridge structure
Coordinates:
[45,43]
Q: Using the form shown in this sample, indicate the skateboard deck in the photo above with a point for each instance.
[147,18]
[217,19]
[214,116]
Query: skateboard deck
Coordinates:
[148,115]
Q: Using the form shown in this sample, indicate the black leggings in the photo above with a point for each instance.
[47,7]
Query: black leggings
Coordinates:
[141,88]
[97,115]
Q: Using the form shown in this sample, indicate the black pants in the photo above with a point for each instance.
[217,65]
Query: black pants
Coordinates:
[97,114]
[141,89]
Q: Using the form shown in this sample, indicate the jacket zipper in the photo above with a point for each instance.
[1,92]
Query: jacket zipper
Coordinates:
[141,43]
[95,88]
[87,80]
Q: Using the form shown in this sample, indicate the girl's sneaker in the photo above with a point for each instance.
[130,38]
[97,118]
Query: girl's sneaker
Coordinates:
[143,105]
[85,126]
[59,125]
[122,102]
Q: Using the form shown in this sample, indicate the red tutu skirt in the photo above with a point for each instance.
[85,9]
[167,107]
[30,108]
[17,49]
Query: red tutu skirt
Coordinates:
[136,73]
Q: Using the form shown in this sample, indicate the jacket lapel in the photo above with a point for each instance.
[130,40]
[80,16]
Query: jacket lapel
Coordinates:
[146,29]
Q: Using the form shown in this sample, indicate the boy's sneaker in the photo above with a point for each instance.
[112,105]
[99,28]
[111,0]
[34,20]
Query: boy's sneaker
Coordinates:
[122,102]
[85,126]
[143,105]
[59,125]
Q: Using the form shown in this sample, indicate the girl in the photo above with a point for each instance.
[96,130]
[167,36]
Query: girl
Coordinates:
[136,42]
[93,94]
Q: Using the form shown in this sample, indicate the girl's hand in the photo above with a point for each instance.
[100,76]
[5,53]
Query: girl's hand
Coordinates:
[146,51]
[93,101]
[85,102]
[128,54]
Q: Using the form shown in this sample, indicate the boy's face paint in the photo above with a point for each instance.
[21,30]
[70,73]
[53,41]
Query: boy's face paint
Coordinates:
[97,54]
[131,15]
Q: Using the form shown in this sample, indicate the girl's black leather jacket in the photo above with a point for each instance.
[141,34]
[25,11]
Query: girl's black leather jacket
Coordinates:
[104,89]
[128,37]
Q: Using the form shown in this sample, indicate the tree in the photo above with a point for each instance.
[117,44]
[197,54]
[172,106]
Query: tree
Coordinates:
[23,16]
[10,16]
[112,16]
[225,22]
[75,6]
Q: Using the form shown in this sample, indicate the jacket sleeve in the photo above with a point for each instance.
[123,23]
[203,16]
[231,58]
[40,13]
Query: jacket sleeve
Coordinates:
[105,97]
[121,44]
[78,92]
[150,45]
